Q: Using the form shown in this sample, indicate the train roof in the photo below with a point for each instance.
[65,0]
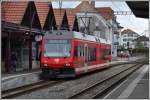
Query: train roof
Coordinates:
[92,38]
[72,34]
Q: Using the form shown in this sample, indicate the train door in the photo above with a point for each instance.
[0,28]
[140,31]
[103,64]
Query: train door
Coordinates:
[85,54]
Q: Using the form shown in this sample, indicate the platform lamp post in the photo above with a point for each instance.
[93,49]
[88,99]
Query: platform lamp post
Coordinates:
[128,45]
[30,41]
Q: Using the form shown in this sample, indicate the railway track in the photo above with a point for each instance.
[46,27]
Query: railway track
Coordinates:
[97,89]
[14,92]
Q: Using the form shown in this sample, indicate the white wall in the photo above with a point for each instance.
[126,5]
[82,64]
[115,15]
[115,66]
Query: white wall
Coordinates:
[102,29]
[131,43]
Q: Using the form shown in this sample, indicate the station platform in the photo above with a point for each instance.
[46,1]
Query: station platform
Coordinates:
[136,86]
[115,60]
[16,79]
[6,76]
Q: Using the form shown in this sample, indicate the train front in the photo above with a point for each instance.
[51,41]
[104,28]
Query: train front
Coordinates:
[56,55]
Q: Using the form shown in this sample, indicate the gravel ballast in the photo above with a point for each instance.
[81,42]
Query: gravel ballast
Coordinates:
[64,90]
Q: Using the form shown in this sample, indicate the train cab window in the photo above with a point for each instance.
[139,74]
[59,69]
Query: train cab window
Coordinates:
[57,48]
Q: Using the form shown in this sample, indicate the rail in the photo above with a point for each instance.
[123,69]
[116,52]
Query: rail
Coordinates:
[11,93]
[82,94]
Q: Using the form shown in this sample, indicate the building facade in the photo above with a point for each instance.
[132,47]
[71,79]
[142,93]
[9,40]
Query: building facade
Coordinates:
[128,36]
[100,21]
[143,41]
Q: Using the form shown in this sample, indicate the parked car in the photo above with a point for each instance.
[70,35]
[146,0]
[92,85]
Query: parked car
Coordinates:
[123,54]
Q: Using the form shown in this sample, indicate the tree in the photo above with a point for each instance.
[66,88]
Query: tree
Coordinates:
[121,48]
[139,45]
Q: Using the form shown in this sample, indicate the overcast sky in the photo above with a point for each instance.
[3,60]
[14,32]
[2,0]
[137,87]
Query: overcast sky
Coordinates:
[138,25]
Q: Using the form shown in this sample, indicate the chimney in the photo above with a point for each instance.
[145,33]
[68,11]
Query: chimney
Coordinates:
[93,3]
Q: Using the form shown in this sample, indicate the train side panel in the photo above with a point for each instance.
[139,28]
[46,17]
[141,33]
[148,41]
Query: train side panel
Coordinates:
[89,56]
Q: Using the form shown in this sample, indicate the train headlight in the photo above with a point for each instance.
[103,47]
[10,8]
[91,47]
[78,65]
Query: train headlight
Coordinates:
[45,64]
[67,64]
[45,61]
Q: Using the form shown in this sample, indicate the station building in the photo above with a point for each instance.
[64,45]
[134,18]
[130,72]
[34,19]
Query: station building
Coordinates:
[24,22]
[127,38]
[20,25]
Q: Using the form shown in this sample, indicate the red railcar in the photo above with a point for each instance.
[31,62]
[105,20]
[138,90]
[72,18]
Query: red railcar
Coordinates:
[67,54]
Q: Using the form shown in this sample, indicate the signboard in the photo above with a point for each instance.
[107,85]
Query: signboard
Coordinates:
[38,38]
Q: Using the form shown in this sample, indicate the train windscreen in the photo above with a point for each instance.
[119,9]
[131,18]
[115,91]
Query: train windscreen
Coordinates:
[57,48]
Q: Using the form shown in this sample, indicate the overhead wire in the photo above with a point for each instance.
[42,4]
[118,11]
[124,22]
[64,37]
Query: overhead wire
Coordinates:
[129,16]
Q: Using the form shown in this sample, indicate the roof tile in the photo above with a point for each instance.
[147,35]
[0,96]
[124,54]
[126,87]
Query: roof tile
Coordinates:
[13,11]
[71,17]
[59,14]
[42,10]
[85,7]
[106,12]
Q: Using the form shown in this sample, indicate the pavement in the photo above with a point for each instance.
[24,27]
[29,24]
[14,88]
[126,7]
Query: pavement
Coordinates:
[127,59]
[17,79]
[136,86]
[18,73]
[11,80]
[26,72]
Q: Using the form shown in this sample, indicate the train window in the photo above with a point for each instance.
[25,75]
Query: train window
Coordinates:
[78,51]
[109,52]
[75,51]
[82,51]
[91,54]
[102,53]
[105,53]
[94,54]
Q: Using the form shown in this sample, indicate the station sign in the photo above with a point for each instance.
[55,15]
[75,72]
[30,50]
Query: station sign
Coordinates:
[38,38]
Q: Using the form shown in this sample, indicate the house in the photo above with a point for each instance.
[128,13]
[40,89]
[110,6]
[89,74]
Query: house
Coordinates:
[91,21]
[21,22]
[128,36]
[99,21]
[143,40]
[115,28]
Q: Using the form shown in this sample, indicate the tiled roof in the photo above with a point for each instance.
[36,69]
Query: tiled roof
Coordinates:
[142,38]
[106,12]
[42,10]
[84,6]
[13,11]
[59,14]
[128,31]
[70,17]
